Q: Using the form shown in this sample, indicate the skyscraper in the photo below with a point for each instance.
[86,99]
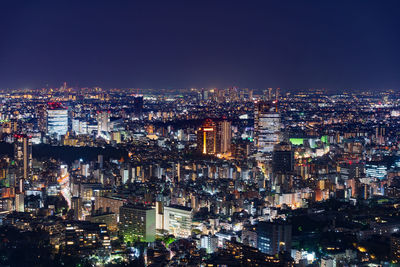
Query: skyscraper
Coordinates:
[266,126]
[207,137]
[19,203]
[178,220]
[214,137]
[273,237]
[103,122]
[23,155]
[224,136]
[57,119]
[41,112]
[138,222]
[283,158]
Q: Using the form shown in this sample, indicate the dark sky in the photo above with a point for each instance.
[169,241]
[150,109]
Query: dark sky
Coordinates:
[189,43]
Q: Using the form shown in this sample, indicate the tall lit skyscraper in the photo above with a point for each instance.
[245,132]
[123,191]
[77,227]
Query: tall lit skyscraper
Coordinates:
[207,137]
[103,122]
[178,220]
[57,119]
[138,222]
[23,155]
[266,126]
[19,203]
[224,136]
[41,112]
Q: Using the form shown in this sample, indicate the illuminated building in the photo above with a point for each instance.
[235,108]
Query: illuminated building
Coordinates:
[42,120]
[110,219]
[23,155]
[283,158]
[274,237]
[19,203]
[103,122]
[224,136]
[214,137]
[137,223]
[57,119]
[207,137]
[178,220]
[82,237]
[266,126]
[79,126]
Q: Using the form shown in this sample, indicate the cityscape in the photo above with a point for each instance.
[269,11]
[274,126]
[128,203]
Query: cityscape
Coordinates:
[171,175]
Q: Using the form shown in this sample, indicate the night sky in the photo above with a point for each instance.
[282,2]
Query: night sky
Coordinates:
[175,44]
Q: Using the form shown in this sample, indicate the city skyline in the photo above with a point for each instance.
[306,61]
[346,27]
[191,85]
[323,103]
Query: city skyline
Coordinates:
[199,133]
[176,44]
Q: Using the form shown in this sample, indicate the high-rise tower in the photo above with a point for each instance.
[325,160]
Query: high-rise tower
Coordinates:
[23,158]
[57,119]
[224,136]
[207,137]
[266,126]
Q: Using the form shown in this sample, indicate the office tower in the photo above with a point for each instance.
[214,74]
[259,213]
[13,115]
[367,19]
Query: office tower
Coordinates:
[137,223]
[138,106]
[83,236]
[376,169]
[207,137]
[283,158]
[126,174]
[224,136]
[178,220]
[19,203]
[57,119]
[103,122]
[266,126]
[23,156]
[274,237]
[76,205]
[41,114]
